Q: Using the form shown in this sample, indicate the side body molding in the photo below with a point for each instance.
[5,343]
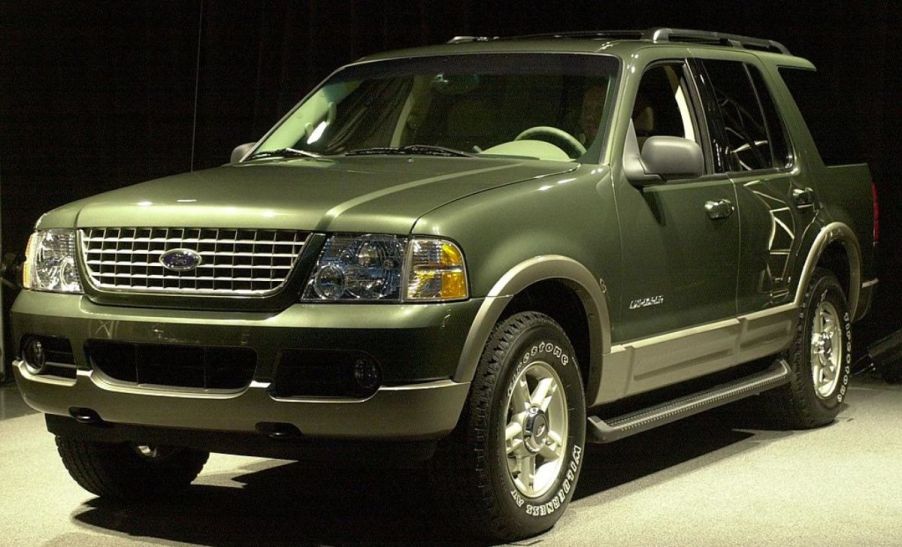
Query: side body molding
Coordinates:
[518,278]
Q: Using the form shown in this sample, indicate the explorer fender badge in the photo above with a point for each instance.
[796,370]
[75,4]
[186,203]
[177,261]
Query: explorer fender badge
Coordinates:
[646,302]
[180,260]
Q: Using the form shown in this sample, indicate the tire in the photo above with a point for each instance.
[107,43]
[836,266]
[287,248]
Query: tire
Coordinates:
[126,472]
[488,492]
[820,358]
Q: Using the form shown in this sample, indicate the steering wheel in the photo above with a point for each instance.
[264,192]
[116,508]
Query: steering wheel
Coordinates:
[552,135]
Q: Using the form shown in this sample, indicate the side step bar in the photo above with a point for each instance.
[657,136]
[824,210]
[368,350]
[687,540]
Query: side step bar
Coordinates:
[612,429]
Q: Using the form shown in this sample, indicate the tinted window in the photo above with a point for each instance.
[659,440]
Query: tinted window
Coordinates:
[747,144]
[662,104]
[776,129]
[492,104]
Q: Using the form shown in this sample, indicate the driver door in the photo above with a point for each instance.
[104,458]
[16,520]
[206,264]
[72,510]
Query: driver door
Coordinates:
[680,259]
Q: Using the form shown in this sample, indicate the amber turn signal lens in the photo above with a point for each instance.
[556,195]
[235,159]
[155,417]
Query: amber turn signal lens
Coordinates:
[437,271]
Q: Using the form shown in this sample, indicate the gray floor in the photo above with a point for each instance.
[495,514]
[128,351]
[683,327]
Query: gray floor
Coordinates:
[714,479]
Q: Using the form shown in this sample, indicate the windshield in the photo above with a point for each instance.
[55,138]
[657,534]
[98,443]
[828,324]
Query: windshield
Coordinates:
[545,106]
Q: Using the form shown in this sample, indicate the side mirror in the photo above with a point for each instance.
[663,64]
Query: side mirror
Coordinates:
[672,157]
[661,158]
[241,150]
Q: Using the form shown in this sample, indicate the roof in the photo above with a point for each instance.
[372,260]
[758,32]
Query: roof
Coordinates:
[655,35]
[594,41]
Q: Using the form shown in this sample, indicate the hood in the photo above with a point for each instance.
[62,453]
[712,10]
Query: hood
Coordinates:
[347,194]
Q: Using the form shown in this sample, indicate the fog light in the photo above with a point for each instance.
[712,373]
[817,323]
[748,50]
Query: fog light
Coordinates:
[35,356]
[366,374]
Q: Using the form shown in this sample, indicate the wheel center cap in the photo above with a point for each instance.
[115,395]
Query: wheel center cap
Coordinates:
[536,430]
[824,344]
[828,344]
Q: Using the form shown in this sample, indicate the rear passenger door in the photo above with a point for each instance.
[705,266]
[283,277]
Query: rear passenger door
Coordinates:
[751,146]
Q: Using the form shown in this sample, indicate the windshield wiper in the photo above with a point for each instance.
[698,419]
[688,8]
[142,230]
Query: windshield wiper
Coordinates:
[284,153]
[411,150]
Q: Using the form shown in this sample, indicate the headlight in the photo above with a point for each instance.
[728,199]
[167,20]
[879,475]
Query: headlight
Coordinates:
[370,268]
[50,263]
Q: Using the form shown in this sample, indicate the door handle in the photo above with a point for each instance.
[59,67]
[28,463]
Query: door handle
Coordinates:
[720,209]
[803,198]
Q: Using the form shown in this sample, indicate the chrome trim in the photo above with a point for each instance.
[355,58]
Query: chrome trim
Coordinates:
[26,373]
[233,262]
[425,386]
[107,383]
[102,382]
[417,411]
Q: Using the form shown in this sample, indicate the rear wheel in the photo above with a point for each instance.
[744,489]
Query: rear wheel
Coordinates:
[510,468]
[129,472]
[820,358]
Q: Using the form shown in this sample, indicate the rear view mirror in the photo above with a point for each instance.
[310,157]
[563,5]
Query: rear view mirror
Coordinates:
[240,151]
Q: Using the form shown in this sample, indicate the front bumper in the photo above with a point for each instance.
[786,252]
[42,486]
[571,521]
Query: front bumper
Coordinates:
[417,345]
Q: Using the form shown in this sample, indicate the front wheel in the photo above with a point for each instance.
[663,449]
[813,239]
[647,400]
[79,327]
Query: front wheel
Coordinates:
[129,472]
[510,468]
[820,358]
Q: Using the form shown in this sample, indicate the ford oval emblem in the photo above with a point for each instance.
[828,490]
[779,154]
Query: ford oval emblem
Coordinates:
[180,260]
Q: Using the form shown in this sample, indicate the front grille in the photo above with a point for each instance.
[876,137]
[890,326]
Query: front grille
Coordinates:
[232,261]
[173,365]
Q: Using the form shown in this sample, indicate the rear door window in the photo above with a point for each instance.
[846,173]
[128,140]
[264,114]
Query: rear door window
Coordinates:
[751,135]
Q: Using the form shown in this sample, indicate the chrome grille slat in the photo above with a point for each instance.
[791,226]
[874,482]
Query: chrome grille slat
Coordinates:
[183,277]
[157,264]
[204,253]
[235,262]
[189,240]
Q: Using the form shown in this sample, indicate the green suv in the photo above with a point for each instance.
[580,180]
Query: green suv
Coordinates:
[480,255]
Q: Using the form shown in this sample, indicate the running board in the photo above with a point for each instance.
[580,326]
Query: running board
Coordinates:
[612,429]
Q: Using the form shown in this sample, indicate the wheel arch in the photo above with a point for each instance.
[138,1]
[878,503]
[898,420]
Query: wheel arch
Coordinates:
[540,274]
[836,248]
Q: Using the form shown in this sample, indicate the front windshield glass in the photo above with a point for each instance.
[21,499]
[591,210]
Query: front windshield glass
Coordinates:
[545,106]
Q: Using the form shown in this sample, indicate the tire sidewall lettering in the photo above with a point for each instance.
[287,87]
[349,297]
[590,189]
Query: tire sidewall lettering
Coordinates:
[558,500]
[554,354]
[846,371]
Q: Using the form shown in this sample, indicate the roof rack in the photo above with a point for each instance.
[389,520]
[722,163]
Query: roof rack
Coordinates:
[657,34]
[707,37]
[467,39]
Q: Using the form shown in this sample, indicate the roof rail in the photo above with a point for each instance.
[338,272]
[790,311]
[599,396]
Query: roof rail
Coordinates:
[705,37]
[466,39]
[611,34]
[666,34]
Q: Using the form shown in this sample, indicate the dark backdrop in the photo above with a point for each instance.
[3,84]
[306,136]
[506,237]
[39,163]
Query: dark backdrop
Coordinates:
[99,95]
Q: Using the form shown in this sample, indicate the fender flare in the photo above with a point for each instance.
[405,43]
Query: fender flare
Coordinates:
[520,277]
[833,232]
